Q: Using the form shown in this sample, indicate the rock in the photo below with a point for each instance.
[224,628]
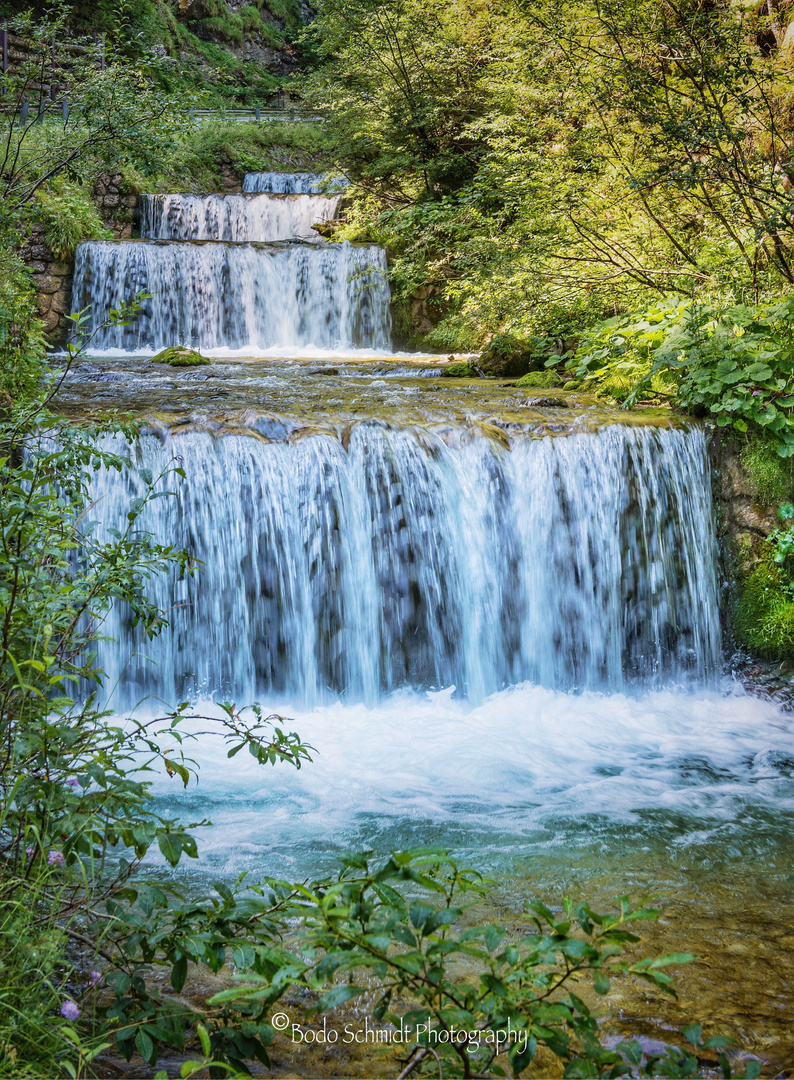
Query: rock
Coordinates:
[180,356]
[546,403]
[110,200]
[325,371]
[539,379]
[460,370]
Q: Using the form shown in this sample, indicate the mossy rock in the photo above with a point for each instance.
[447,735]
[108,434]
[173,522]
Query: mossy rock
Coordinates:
[180,356]
[539,379]
[764,619]
[460,370]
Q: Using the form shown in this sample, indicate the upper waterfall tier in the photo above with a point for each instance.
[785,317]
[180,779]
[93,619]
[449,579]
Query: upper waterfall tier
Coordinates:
[393,559]
[236,296]
[278,183]
[235,217]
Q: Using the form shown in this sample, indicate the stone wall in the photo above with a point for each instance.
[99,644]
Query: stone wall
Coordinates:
[118,204]
[52,278]
[743,520]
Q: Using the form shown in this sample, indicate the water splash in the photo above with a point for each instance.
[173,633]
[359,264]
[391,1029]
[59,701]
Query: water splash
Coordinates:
[577,562]
[236,296]
[235,217]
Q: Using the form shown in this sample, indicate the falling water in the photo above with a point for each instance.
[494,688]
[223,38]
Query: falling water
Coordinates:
[278,183]
[213,284]
[584,561]
[242,296]
[235,217]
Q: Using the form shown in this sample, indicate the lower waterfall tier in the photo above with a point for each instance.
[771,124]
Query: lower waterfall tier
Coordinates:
[585,561]
[235,296]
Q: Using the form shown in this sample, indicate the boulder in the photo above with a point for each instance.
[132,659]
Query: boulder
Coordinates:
[180,356]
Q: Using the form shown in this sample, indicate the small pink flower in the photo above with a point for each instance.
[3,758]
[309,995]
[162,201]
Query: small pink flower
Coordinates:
[756,393]
[70,1010]
[55,858]
[73,782]
[94,978]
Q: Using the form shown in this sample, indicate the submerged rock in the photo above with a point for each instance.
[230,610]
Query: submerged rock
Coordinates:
[180,356]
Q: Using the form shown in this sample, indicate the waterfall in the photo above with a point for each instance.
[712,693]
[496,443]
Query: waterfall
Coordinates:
[215,280]
[278,183]
[396,558]
[241,296]
[234,217]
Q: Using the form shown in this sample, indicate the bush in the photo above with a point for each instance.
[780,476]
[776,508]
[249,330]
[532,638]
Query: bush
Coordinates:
[764,619]
[69,216]
[734,364]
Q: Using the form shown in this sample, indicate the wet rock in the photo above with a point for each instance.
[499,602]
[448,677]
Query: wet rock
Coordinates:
[180,356]
[325,371]
[546,402]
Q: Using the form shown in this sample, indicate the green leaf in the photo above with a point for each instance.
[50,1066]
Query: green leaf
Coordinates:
[179,973]
[203,1035]
[338,996]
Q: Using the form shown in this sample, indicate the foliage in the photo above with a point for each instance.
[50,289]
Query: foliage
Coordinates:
[735,364]
[117,115]
[205,150]
[406,928]
[69,216]
[764,619]
[21,335]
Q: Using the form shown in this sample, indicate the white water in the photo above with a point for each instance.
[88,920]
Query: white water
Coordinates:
[529,769]
[230,287]
[578,562]
[235,217]
[246,297]
[290,183]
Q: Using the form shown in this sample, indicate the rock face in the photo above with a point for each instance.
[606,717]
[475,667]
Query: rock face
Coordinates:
[744,521]
[118,205]
[180,356]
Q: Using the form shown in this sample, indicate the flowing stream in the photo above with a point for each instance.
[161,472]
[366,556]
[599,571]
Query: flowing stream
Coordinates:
[495,617]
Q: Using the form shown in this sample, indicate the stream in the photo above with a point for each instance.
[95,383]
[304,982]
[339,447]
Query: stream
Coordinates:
[494,612]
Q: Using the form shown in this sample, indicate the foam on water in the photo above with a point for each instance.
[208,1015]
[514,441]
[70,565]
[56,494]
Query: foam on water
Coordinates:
[528,766]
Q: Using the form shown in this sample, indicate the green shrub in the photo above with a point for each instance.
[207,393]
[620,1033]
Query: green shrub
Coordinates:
[734,364]
[70,216]
[460,370]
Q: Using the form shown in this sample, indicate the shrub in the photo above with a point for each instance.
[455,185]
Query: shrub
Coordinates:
[69,216]
[734,364]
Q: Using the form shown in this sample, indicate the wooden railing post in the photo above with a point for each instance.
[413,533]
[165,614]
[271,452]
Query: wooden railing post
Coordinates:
[4,47]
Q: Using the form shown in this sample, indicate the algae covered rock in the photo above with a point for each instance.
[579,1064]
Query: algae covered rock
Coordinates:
[541,379]
[460,370]
[180,356]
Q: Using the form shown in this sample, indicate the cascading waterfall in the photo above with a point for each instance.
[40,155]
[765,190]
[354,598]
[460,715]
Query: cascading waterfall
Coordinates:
[234,217]
[214,284]
[237,296]
[277,183]
[584,561]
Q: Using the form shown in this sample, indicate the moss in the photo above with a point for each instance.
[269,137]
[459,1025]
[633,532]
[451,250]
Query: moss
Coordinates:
[770,474]
[507,355]
[764,619]
[460,370]
[180,356]
[539,379]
